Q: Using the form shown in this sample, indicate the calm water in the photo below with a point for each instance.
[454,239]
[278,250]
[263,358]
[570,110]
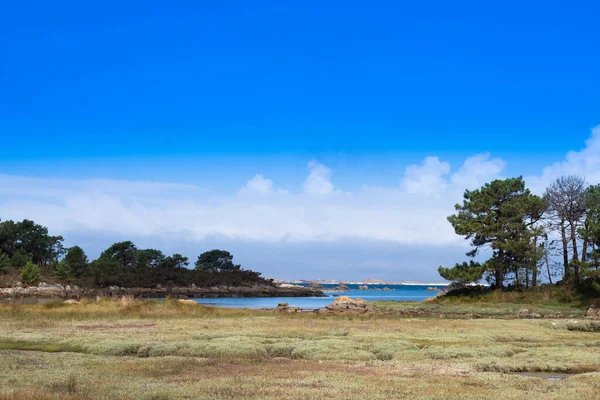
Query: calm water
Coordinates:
[398,292]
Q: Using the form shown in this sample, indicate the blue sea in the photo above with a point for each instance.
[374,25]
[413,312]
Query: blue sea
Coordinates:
[397,292]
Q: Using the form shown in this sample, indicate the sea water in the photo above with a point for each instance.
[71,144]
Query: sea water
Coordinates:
[375,293]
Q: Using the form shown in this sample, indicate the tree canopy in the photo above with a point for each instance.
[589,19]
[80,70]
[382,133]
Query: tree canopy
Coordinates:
[498,217]
[29,253]
[463,273]
[216,261]
[519,231]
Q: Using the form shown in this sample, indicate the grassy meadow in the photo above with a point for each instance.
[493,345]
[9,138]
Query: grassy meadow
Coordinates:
[170,350]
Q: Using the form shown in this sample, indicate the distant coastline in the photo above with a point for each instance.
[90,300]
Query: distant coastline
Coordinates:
[350,282]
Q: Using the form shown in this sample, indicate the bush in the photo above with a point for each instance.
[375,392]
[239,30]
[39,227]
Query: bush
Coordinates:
[19,259]
[31,274]
[4,263]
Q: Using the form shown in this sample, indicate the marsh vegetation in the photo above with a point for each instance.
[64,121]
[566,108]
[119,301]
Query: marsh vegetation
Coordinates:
[150,350]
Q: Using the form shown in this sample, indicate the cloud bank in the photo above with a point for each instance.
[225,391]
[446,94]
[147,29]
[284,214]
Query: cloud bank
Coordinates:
[410,214]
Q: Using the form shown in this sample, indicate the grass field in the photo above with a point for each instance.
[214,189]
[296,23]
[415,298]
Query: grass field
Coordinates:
[133,350]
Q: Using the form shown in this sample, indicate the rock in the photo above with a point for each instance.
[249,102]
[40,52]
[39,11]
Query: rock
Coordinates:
[386,289]
[71,302]
[282,307]
[159,286]
[45,285]
[432,289]
[341,288]
[593,313]
[363,287]
[345,305]
[315,285]
[189,302]
[193,286]
[525,313]
[68,287]
[19,284]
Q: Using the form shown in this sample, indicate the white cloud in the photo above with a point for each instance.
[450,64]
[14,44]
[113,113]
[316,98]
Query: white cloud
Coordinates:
[414,214]
[478,170]
[585,163]
[318,181]
[428,178]
[257,185]
[373,213]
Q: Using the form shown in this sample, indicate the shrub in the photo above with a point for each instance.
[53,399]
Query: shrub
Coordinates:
[4,263]
[31,274]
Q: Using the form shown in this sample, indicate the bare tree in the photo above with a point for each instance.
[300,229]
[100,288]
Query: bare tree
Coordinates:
[567,200]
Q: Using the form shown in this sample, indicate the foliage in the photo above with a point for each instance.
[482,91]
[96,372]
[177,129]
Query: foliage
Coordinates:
[121,264]
[19,259]
[175,261]
[590,232]
[567,199]
[123,253]
[27,237]
[216,261]
[76,262]
[463,273]
[150,258]
[60,270]
[31,274]
[5,263]
[499,217]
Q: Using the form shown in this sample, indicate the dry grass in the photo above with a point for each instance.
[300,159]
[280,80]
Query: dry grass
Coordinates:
[134,350]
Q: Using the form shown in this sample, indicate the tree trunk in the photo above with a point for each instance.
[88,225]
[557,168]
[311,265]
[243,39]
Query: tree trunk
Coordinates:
[575,252]
[584,250]
[565,243]
[547,259]
[534,266]
[498,273]
[498,278]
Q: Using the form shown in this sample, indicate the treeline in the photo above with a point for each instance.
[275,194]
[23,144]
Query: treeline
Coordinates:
[30,254]
[553,236]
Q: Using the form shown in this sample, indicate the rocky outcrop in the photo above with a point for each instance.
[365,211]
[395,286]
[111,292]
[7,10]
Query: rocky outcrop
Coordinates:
[188,302]
[284,307]
[315,285]
[67,292]
[363,287]
[345,305]
[341,288]
[593,313]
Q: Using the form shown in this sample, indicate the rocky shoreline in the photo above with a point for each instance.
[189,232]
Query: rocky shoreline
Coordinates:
[7,295]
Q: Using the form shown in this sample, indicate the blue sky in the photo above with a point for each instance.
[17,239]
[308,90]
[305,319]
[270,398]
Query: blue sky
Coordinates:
[210,94]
